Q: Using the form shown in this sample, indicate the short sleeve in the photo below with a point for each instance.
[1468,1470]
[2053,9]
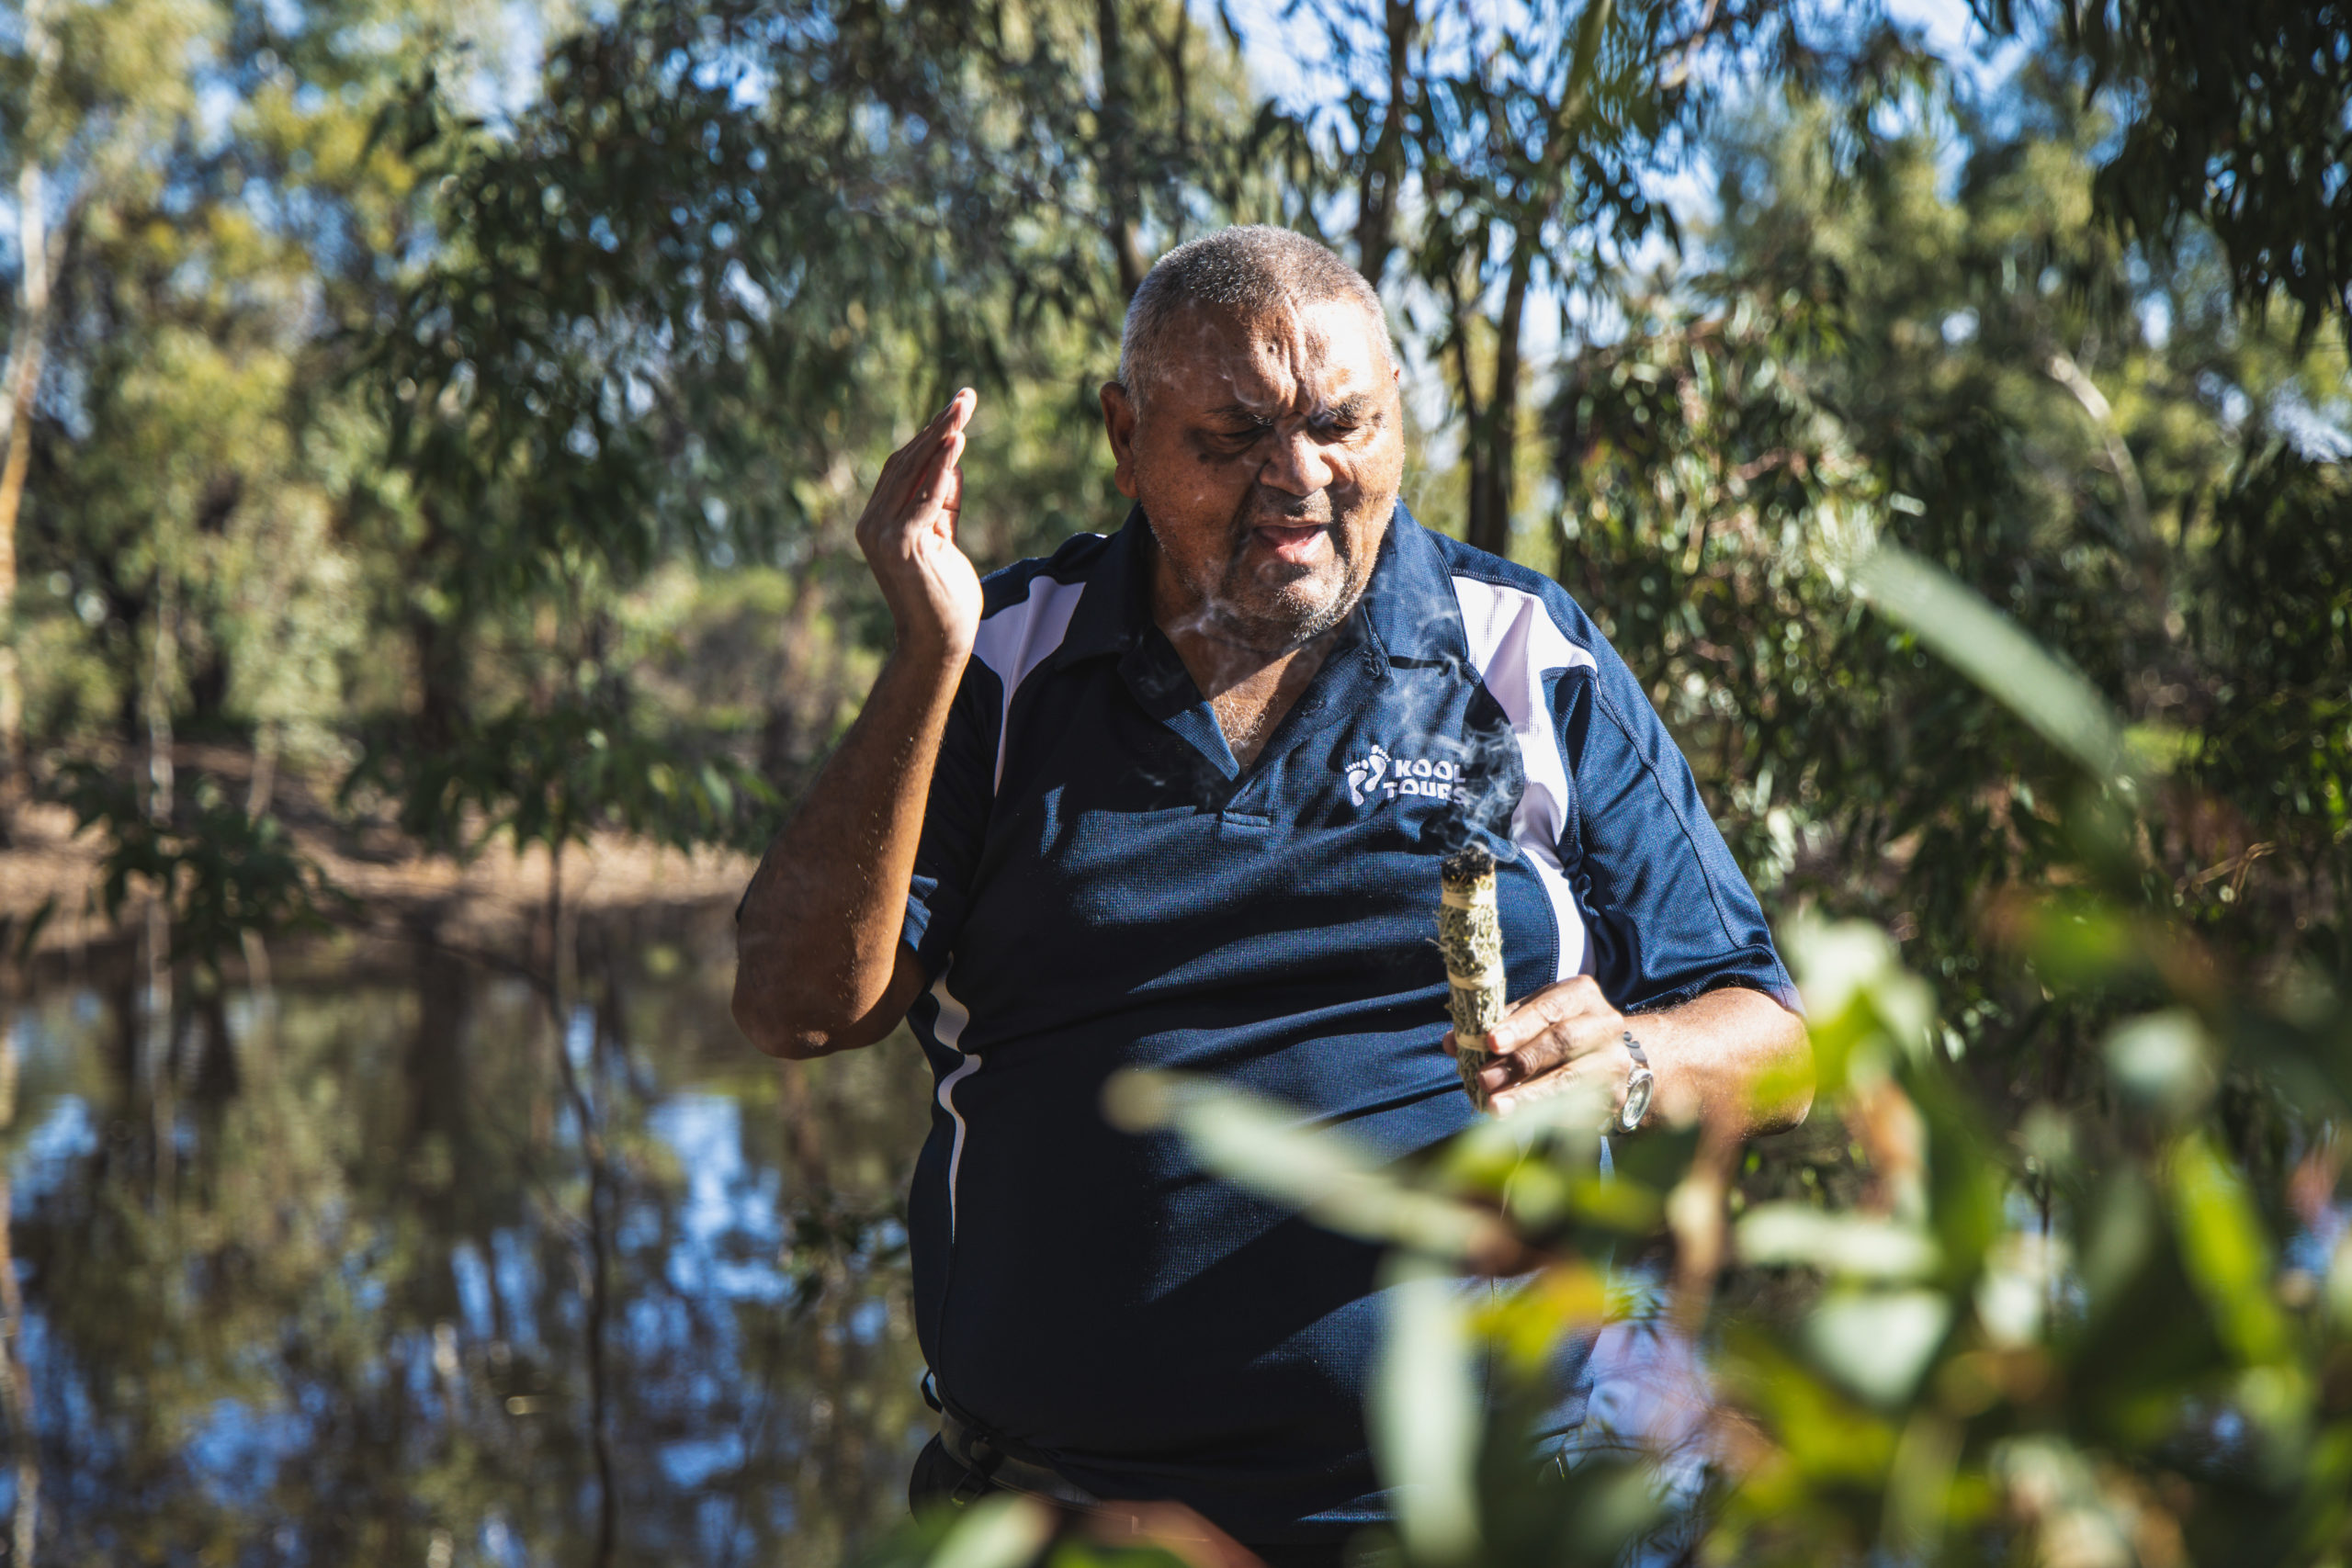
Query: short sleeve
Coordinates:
[1672,917]
[955,820]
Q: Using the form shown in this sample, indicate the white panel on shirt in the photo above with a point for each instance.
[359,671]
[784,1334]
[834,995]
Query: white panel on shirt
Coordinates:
[1013,642]
[1019,637]
[1515,646]
[954,1019]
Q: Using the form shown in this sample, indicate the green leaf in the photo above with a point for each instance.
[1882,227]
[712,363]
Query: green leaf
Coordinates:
[1426,1415]
[2226,1251]
[1322,1173]
[1852,1246]
[1859,1000]
[1993,651]
[2163,1060]
[1878,1343]
[1003,1532]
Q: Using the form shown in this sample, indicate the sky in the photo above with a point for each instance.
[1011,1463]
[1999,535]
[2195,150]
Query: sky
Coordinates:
[1279,52]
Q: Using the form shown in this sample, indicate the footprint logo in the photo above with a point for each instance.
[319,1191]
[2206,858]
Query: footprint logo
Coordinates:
[1365,778]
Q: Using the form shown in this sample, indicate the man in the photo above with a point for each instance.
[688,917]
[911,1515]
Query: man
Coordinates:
[1175,797]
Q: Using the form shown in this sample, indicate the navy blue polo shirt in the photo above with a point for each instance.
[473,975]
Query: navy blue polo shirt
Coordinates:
[1102,885]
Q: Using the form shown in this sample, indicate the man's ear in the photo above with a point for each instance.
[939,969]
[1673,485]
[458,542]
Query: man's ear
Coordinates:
[1119,424]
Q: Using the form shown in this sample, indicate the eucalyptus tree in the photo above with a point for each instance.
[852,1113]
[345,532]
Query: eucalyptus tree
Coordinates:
[2237,119]
[215,212]
[1505,159]
[680,300]
[2088,432]
[87,97]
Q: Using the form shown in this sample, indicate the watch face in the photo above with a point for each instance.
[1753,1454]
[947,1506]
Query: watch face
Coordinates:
[1638,1090]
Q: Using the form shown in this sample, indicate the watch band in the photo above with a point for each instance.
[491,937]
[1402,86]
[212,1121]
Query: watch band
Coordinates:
[1640,1086]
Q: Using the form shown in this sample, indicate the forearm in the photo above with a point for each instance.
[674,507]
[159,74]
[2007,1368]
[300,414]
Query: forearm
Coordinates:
[818,944]
[818,966]
[1732,1054]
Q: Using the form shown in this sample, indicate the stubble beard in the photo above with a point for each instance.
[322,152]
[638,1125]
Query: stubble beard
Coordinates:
[1277,608]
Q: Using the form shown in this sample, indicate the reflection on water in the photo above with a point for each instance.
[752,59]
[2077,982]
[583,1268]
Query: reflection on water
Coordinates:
[332,1274]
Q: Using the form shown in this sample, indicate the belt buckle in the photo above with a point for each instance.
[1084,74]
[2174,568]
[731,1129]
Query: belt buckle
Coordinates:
[979,1461]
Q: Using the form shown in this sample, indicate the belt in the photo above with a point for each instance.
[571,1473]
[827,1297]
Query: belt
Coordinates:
[991,1466]
[986,1465]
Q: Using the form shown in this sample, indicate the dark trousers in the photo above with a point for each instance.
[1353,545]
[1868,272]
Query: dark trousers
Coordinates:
[938,1479]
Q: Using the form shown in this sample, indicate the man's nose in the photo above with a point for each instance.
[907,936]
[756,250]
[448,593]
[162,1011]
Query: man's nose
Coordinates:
[1297,465]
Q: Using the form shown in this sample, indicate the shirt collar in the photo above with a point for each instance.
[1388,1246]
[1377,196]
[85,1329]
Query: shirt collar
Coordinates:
[1115,609]
[1408,607]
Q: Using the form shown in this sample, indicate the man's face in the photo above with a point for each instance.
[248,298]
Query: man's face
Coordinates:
[1267,460]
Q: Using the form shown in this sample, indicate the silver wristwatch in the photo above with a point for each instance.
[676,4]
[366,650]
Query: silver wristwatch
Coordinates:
[1639,1088]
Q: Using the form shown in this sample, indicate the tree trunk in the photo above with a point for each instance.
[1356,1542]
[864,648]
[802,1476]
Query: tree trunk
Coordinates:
[163,672]
[1494,430]
[1462,314]
[1383,164]
[161,784]
[23,383]
[438,645]
[1114,163]
[1179,29]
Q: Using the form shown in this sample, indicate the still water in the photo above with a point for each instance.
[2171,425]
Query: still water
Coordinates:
[374,1264]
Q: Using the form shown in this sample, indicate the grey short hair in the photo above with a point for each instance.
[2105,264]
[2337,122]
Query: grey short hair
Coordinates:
[1243,273]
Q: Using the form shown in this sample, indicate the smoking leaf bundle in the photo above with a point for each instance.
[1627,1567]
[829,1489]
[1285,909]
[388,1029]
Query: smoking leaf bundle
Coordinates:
[1470,940]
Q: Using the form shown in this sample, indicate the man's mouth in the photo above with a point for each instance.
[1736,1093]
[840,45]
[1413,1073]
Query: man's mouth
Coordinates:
[1301,543]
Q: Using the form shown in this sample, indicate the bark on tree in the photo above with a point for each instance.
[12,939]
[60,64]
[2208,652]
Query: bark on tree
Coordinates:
[1492,429]
[437,642]
[1383,164]
[23,381]
[1115,124]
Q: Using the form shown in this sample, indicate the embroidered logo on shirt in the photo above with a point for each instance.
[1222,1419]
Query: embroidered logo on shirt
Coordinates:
[1380,776]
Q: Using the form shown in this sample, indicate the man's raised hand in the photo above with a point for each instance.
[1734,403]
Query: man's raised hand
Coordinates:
[820,965]
[908,533]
